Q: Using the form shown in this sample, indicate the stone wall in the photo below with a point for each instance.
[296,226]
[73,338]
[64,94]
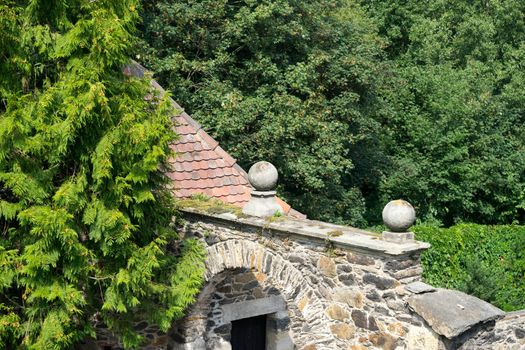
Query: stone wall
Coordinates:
[333,296]
[322,286]
[507,333]
[230,295]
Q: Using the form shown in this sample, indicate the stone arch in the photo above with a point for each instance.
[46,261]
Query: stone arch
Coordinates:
[302,303]
[249,255]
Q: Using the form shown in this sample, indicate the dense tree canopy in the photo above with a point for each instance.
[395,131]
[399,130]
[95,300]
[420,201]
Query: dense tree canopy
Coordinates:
[358,102]
[85,218]
[455,132]
[291,82]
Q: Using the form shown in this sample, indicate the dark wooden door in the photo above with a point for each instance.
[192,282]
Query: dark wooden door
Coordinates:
[249,333]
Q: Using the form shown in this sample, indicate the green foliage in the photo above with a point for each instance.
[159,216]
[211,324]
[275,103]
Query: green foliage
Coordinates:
[486,261]
[358,102]
[85,218]
[287,81]
[453,132]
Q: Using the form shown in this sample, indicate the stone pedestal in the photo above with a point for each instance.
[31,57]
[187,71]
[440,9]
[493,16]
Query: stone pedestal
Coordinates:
[398,237]
[262,204]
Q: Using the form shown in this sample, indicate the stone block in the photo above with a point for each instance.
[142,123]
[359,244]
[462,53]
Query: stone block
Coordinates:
[383,340]
[359,259]
[451,313]
[415,271]
[357,347]
[397,328]
[342,331]
[419,287]
[398,237]
[252,308]
[336,312]
[419,338]
[279,341]
[363,320]
[394,265]
[395,305]
[520,333]
[297,258]
[262,204]
[351,297]
[380,282]
[327,266]
[373,295]
[309,347]
[303,302]
[344,268]
[244,277]
[348,279]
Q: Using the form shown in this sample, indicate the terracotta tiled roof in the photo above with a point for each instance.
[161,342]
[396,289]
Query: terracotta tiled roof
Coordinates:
[201,166]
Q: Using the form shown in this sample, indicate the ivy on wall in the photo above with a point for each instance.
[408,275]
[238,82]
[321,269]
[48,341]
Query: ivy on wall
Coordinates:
[487,261]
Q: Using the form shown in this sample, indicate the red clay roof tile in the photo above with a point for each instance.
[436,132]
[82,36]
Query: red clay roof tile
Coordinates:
[208,139]
[180,120]
[186,138]
[184,130]
[200,165]
[220,181]
[225,156]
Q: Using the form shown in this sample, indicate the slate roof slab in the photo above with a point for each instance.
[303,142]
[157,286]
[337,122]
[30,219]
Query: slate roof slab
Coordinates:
[451,312]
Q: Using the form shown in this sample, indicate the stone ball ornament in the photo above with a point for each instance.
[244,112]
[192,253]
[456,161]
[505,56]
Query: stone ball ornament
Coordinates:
[399,215]
[263,176]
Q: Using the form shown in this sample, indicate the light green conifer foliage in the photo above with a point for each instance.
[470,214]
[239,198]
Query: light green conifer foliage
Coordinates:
[85,216]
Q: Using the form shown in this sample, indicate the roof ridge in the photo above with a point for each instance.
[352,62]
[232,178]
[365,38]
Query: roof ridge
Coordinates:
[136,69]
[193,154]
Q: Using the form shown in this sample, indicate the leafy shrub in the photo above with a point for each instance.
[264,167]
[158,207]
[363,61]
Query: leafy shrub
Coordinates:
[486,261]
[292,82]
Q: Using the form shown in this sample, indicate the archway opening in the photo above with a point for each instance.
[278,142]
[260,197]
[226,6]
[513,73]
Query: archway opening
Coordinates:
[249,333]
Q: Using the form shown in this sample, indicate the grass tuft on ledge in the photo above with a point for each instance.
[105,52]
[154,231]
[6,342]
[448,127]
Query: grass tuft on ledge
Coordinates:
[204,203]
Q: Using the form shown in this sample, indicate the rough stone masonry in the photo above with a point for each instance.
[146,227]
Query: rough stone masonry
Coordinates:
[334,287]
[340,288]
[323,286]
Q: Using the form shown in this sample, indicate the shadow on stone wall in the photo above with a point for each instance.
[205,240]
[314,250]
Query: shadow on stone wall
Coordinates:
[235,294]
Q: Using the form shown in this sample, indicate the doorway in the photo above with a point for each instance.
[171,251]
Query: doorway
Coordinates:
[249,333]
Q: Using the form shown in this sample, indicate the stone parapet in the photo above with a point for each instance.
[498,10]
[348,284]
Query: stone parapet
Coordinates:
[337,287]
[311,231]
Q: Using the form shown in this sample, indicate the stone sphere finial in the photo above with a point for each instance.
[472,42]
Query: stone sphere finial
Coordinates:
[263,176]
[399,215]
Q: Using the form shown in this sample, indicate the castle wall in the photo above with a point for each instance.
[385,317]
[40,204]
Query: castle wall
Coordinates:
[332,295]
[322,286]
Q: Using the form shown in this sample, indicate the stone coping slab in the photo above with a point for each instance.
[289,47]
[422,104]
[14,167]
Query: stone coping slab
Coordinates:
[419,287]
[315,231]
[451,312]
[512,315]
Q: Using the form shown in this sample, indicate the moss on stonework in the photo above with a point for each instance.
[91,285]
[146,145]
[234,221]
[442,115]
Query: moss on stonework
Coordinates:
[335,233]
[275,218]
[209,205]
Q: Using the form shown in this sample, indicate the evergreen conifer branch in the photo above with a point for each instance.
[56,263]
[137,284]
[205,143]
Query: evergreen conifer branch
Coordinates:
[85,213]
